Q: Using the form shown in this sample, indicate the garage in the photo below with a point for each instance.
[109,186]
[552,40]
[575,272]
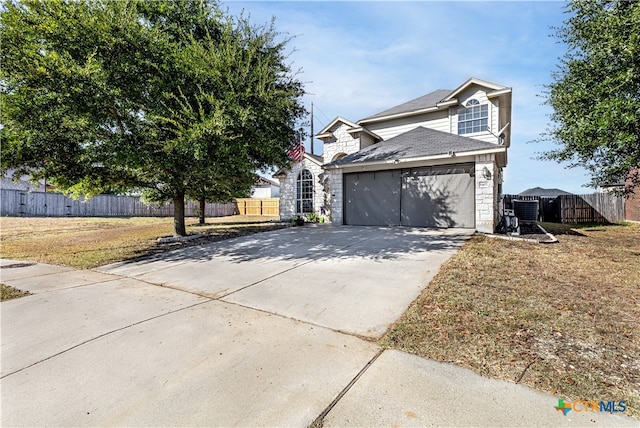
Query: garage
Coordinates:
[436,196]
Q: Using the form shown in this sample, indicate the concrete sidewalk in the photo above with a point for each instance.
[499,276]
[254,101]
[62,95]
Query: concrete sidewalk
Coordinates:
[96,348]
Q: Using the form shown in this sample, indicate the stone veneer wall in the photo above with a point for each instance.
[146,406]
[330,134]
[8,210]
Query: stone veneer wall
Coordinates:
[342,142]
[486,194]
[335,178]
[288,189]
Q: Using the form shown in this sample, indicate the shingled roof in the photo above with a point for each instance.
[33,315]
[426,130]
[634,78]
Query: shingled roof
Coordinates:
[418,142]
[423,102]
[545,193]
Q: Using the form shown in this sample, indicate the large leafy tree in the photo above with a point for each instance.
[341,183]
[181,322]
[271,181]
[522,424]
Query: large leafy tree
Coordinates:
[173,98]
[595,94]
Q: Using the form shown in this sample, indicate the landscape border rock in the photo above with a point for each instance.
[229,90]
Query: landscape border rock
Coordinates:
[167,239]
[542,238]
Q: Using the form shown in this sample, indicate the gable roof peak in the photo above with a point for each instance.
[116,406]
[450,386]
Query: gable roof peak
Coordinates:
[338,119]
[475,81]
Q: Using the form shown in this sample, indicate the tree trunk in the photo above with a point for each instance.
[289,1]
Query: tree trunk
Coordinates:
[178,213]
[202,207]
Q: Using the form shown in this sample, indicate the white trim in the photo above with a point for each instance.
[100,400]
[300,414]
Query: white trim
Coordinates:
[476,81]
[324,135]
[450,103]
[333,122]
[355,130]
[400,115]
[312,159]
[396,162]
[499,92]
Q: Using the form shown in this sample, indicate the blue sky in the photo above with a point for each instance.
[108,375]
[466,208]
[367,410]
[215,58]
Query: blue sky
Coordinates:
[358,58]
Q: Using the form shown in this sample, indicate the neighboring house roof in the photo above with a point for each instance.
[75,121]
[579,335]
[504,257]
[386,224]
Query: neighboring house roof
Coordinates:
[23,183]
[545,193]
[262,181]
[417,143]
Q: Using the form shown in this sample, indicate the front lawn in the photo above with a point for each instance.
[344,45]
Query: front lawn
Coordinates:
[83,242]
[563,318]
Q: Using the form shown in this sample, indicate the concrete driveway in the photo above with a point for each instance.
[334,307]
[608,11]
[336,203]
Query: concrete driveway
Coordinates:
[264,330]
[356,280]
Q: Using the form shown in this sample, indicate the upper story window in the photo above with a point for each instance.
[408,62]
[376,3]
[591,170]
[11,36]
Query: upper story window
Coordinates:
[474,117]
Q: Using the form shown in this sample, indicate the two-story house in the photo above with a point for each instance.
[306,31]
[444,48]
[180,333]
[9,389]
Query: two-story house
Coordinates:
[435,161]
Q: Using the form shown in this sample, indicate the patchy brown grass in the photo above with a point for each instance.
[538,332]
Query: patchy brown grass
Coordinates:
[90,242]
[8,292]
[563,318]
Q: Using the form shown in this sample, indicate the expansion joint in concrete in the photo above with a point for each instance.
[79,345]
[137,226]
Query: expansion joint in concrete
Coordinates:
[101,336]
[317,423]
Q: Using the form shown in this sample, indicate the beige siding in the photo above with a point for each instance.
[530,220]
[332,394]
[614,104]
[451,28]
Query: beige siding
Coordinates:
[438,120]
[365,140]
[444,120]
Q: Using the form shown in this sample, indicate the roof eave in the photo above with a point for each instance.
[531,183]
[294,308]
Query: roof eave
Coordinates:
[404,114]
[324,135]
[312,159]
[472,81]
[450,103]
[452,155]
[498,92]
[333,122]
[365,130]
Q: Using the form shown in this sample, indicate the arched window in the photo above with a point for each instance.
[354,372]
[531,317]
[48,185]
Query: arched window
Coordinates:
[304,192]
[474,117]
[338,156]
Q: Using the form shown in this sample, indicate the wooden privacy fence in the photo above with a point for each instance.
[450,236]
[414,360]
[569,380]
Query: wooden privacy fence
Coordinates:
[40,204]
[258,206]
[592,208]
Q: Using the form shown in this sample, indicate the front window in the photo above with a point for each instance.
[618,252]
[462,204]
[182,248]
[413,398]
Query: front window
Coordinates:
[304,192]
[474,117]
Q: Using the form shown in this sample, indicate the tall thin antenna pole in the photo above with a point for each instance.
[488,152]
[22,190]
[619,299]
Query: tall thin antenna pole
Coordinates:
[311,128]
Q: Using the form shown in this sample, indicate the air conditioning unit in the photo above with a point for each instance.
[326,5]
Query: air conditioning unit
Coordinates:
[526,211]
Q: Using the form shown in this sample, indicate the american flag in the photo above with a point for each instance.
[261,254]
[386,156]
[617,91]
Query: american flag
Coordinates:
[297,153]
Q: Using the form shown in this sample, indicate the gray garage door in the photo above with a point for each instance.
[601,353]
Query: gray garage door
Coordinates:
[440,196]
[373,198]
